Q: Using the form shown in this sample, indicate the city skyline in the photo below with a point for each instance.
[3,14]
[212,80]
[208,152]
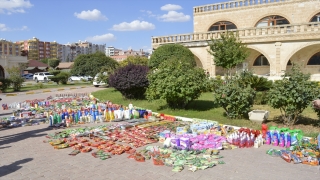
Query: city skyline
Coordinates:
[121,24]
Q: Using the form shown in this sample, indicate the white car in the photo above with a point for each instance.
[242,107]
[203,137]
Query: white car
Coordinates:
[76,78]
[96,83]
[88,78]
[42,76]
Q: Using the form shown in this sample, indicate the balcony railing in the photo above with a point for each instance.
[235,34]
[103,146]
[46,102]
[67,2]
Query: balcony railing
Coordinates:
[245,34]
[234,4]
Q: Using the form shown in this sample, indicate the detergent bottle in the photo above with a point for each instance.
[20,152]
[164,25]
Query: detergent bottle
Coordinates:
[288,142]
[268,138]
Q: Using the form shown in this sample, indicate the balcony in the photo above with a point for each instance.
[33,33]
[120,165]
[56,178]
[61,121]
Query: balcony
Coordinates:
[287,32]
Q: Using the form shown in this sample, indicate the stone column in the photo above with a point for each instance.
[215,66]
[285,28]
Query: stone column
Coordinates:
[277,58]
[210,63]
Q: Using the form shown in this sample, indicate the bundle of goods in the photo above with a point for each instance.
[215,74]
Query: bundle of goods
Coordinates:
[306,151]
[283,137]
[245,137]
[179,159]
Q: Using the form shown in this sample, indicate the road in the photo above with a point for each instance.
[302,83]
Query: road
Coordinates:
[23,155]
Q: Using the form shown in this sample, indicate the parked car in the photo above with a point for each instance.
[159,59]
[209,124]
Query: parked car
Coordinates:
[75,78]
[96,83]
[88,78]
[42,76]
[27,76]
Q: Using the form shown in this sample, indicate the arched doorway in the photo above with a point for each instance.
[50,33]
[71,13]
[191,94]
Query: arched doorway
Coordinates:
[273,20]
[2,74]
[222,25]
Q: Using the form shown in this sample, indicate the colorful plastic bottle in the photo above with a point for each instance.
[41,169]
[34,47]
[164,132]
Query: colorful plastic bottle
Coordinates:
[268,138]
[288,143]
[319,142]
[275,140]
[282,140]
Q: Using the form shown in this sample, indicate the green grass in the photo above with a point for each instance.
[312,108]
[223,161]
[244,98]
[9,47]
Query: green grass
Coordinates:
[205,108]
[31,87]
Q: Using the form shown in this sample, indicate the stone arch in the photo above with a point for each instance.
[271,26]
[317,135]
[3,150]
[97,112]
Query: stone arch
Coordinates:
[218,20]
[260,51]
[312,15]
[197,59]
[298,49]
[271,14]
[2,72]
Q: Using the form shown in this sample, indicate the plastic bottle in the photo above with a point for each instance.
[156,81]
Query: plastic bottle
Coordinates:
[282,140]
[268,138]
[248,141]
[275,140]
[288,143]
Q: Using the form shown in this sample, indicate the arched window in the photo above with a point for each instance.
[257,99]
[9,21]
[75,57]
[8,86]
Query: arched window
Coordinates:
[315,59]
[315,18]
[222,25]
[261,61]
[272,21]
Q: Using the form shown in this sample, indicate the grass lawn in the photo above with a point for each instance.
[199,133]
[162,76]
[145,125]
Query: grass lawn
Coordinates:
[30,86]
[205,108]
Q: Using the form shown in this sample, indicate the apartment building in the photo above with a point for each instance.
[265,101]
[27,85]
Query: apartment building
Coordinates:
[70,51]
[10,55]
[277,34]
[38,50]
[120,55]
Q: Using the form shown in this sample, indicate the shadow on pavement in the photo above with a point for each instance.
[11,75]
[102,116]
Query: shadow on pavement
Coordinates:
[22,136]
[7,169]
[5,147]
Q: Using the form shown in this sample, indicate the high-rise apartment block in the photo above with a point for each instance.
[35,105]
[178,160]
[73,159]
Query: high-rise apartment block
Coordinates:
[38,50]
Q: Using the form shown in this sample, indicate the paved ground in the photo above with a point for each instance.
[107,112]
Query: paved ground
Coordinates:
[23,155]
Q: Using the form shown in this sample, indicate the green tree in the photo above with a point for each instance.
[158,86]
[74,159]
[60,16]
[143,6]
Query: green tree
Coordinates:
[54,63]
[168,51]
[91,64]
[176,81]
[235,97]
[292,94]
[228,51]
[137,60]
[15,77]
[45,61]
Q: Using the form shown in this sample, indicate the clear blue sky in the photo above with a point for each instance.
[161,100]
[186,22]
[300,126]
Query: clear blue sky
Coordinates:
[123,24]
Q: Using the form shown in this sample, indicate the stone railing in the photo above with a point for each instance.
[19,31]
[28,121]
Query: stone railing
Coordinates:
[257,33]
[234,4]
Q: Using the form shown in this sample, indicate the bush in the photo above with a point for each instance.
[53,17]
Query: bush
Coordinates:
[130,80]
[64,76]
[5,84]
[177,82]
[40,85]
[261,98]
[168,51]
[292,95]
[235,98]
[211,83]
[257,83]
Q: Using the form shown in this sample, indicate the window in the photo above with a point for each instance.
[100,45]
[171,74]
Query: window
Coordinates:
[272,21]
[315,18]
[222,25]
[261,61]
[315,59]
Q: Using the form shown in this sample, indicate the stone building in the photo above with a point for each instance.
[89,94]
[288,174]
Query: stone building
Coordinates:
[277,33]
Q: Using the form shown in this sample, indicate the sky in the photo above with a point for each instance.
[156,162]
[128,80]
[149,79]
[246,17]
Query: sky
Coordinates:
[123,24]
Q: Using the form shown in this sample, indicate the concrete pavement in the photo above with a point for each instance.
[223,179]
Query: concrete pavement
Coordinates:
[23,155]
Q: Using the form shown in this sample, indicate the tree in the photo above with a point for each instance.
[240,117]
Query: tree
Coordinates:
[177,81]
[15,77]
[139,60]
[168,51]
[292,94]
[54,63]
[235,97]
[91,64]
[228,51]
[130,80]
[45,61]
